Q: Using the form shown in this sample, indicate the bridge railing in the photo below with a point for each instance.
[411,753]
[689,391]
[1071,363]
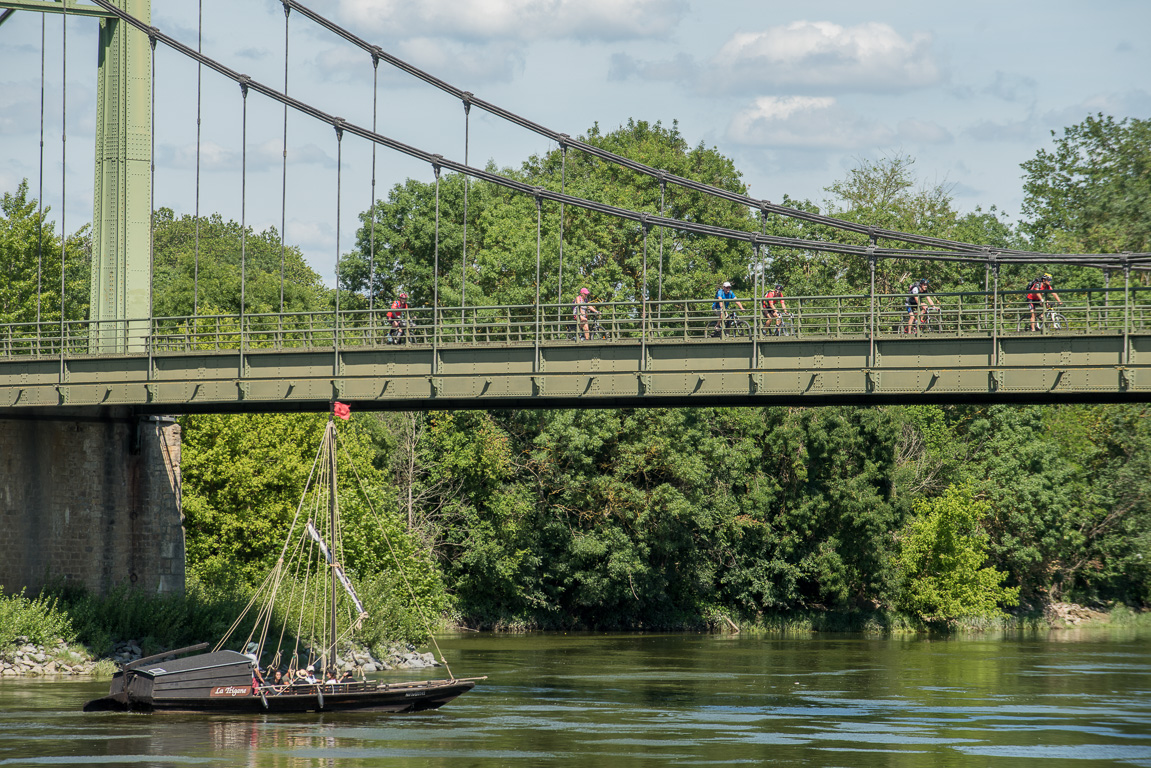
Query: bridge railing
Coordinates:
[975,313]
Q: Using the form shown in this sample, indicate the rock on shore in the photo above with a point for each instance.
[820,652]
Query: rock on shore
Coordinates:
[31,660]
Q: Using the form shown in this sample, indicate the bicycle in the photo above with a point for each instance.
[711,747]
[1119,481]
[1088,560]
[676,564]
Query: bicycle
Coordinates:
[732,326]
[1047,319]
[926,320]
[785,326]
[398,333]
[596,331]
[931,321]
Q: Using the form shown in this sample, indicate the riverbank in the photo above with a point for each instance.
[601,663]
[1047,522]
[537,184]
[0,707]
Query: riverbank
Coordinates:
[63,659]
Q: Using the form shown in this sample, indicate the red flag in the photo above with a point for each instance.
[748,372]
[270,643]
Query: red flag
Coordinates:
[341,410]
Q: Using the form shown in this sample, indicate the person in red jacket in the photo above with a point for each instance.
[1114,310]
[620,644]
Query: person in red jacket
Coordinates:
[1037,293]
[774,306]
[397,318]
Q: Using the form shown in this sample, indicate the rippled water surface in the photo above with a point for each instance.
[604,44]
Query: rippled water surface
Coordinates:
[1062,699]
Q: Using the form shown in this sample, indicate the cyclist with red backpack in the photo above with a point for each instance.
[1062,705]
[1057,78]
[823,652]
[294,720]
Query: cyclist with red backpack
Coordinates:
[1037,291]
[397,318]
[771,312]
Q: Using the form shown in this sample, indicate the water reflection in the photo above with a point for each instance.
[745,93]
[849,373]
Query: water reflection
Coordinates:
[597,701]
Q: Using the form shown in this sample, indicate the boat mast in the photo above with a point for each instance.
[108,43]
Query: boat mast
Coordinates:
[333,512]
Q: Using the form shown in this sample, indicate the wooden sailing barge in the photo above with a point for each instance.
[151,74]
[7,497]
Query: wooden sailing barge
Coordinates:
[227,681]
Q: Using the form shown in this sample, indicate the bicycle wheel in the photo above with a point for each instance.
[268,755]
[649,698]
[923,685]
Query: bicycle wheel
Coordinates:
[1058,321]
[713,329]
[1024,323]
[740,328]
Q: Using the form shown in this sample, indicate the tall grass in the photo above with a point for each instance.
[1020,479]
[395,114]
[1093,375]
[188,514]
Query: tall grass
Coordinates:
[158,622]
[40,619]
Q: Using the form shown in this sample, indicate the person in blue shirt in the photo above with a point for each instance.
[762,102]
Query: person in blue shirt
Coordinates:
[724,297]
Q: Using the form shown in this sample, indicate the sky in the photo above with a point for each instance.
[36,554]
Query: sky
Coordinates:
[796,94]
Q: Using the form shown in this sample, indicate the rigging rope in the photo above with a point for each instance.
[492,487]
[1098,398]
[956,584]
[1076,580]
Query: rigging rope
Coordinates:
[974,254]
[399,567]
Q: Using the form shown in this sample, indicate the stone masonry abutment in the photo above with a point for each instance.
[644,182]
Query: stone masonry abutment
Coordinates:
[91,500]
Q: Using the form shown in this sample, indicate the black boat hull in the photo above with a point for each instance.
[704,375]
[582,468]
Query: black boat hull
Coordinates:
[223,682]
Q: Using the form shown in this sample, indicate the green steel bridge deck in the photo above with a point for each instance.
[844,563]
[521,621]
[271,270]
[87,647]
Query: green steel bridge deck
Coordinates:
[840,349]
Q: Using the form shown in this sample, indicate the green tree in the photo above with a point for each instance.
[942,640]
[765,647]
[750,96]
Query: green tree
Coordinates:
[180,279]
[599,251]
[1089,192]
[30,263]
[942,556]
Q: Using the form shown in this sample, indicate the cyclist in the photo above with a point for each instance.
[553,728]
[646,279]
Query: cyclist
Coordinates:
[914,302]
[770,310]
[580,308]
[1035,295]
[724,297]
[396,316]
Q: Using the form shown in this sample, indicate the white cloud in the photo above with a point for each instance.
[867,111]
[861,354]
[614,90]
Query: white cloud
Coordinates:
[522,20]
[820,56]
[805,121]
[310,235]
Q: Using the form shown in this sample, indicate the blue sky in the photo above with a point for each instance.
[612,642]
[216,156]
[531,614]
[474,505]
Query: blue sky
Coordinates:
[795,93]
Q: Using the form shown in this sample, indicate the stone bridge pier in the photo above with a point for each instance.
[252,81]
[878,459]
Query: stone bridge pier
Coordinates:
[91,499]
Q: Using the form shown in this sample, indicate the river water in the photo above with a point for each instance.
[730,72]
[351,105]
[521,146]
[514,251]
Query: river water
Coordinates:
[1068,698]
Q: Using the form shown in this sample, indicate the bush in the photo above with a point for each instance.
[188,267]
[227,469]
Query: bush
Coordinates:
[39,619]
[942,552]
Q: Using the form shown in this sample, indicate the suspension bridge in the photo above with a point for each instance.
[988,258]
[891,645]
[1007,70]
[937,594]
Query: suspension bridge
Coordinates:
[90,471]
[652,350]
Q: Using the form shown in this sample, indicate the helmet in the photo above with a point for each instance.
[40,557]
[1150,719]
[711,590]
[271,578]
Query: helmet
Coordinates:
[779,286]
[584,291]
[727,285]
[1047,277]
[403,295]
[923,281]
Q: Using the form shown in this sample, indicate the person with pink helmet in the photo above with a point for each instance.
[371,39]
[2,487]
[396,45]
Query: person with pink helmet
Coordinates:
[580,309]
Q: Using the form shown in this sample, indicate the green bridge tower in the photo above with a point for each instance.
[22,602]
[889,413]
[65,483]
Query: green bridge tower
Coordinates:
[121,214]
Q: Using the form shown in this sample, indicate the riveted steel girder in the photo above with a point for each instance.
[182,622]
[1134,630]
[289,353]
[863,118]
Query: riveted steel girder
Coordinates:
[794,371]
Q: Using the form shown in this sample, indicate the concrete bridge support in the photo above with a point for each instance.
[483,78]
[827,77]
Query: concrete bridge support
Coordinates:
[93,499]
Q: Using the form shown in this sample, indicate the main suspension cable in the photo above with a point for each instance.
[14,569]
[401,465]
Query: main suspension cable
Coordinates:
[611,157]
[976,254]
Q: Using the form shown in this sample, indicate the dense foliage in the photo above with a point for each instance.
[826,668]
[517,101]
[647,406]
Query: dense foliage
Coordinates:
[673,518]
